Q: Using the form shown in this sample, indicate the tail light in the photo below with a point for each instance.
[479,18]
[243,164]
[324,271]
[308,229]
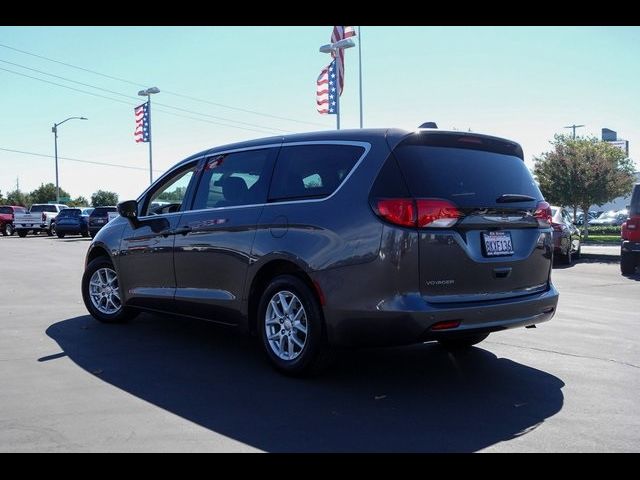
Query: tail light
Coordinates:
[44,217]
[543,214]
[631,229]
[422,213]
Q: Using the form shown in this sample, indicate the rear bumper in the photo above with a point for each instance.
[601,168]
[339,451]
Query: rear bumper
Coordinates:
[70,228]
[630,247]
[30,226]
[408,319]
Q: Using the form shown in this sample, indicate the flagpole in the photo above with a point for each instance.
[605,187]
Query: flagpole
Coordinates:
[150,151]
[338,106]
[360,68]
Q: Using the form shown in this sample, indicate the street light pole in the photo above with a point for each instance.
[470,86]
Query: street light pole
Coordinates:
[147,93]
[573,127]
[54,129]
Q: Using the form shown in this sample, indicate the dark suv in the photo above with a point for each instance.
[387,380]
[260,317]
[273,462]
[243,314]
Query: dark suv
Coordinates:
[98,218]
[336,238]
[630,251]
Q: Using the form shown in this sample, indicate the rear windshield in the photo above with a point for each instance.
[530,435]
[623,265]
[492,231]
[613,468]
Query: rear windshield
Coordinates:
[43,208]
[635,201]
[6,210]
[468,178]
[69,213]
[102,211]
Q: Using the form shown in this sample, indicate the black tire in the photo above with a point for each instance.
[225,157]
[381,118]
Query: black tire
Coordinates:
[315,354]
[51,231]
[460,343]
[578,254]
[627,263]
[85,233]
[122,315]
[9,229]
[568,258]
[60,235]
[22,233]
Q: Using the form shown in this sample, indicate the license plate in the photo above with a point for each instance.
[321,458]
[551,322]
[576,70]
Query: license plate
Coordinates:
[497,243]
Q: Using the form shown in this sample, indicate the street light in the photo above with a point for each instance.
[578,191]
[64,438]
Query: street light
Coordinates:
[333,48]
[147,93]
[54,129]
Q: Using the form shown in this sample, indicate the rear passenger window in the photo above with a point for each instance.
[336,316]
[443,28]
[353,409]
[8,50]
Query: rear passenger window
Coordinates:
[312,171]
[234,179]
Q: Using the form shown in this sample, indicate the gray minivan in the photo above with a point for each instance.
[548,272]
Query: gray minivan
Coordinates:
[332,239]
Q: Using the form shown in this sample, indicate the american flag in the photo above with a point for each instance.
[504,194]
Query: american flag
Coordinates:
[143,120]
[326,90]
[331,80]
[340,33]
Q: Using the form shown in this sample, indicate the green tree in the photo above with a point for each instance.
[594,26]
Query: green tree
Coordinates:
[103,197]
[45,193]
[582,172]
[78,202]
[17,197]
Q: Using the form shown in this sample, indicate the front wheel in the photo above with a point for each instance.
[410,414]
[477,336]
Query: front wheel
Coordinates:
[291,327]
[102,294]
[459,343]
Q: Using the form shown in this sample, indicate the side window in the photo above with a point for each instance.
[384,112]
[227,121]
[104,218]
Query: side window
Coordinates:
[234,179]
[168,196]
[312,171]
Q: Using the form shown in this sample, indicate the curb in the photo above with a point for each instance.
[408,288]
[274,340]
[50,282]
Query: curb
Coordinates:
[600,256]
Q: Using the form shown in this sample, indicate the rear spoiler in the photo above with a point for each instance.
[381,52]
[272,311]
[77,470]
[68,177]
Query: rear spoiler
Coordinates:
[472,141]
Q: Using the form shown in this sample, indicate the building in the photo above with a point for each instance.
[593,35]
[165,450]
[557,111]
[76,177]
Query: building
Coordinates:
[611,136]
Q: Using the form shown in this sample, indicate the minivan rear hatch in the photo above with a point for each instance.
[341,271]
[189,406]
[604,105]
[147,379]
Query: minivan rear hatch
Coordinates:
[482,221]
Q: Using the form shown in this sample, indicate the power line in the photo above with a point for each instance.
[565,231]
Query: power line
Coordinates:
[76,159]
[132,104]
[138,84]
[136,98]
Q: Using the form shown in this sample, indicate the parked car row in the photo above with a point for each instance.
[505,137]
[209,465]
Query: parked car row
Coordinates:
[54,219]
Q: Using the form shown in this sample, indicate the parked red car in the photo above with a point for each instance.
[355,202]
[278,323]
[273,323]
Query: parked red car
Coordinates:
[630,248]
[6,218]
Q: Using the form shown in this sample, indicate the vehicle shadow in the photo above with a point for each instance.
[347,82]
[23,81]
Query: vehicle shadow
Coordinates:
[411,399]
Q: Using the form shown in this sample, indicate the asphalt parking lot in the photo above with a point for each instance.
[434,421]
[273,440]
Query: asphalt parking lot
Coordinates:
[159,383]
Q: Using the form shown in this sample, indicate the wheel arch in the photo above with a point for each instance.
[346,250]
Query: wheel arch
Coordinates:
[267,271]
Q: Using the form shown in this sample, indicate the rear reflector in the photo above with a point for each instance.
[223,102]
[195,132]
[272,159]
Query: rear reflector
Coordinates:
[447,324]
[422,213]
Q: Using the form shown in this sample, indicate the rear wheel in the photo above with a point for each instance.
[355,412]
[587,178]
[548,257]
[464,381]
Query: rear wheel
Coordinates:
[52,229]
[22,233]
[627,263]
[102,294]
[291,327]
[459,343]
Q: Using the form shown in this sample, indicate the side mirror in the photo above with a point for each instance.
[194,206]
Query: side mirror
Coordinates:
[129,210]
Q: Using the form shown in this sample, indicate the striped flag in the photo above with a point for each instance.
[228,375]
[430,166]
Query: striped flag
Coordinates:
[143,123]
[330,82]
[340,33]
[326,90]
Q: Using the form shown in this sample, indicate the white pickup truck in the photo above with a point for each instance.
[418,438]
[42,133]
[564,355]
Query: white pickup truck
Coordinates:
[41,217]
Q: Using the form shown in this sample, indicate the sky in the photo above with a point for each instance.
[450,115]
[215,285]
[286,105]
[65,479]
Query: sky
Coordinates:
[522,83]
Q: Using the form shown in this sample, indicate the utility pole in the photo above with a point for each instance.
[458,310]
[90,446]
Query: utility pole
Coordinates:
[573,127]
[18,183]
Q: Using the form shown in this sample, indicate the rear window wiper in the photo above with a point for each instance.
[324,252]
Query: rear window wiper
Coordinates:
[514,197]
